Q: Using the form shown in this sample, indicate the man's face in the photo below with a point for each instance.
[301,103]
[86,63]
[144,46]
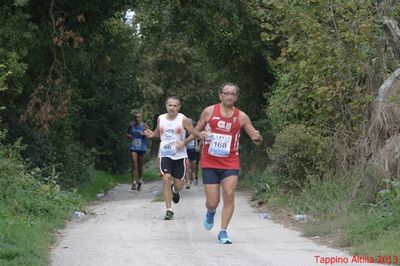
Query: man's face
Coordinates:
[138,117]
[229,95]
[173,106]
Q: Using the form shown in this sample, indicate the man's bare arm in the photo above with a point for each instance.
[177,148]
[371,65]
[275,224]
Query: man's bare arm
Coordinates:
[204,117]
[187,123]
[153,134]
[146,126]
[253,133]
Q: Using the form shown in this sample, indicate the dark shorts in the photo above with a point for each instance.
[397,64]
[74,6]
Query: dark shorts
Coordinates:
[141,153]
[176,168]
[215,176]
[193,155]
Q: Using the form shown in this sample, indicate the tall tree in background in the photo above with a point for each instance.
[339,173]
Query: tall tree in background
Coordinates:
[80,70]
[72,82]
[334,56]
[226,36]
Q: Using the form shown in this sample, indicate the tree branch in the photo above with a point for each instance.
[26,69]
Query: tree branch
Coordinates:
[393,30]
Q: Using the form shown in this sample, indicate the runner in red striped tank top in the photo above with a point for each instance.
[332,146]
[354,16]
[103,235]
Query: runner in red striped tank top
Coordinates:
[220,161]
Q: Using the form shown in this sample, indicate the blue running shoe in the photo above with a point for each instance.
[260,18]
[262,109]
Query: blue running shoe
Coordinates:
[208,221]
[223,238]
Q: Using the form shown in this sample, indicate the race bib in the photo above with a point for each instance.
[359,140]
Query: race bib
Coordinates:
[167,148]
[137,144]
[220,145]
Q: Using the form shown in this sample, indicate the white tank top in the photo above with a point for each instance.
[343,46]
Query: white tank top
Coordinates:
[171,131]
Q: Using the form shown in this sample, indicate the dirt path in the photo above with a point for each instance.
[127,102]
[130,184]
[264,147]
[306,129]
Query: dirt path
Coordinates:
[127,228]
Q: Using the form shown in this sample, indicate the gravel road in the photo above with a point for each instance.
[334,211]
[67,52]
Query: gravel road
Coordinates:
[127,228]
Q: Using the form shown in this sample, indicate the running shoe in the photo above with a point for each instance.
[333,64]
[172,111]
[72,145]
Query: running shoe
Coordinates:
[169,215]
[223,238]
[208,221]
[134,186]
[139,185]
[175,195]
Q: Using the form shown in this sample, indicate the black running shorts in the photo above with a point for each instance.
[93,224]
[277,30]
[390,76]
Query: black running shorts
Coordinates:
[176,168]
[193,155]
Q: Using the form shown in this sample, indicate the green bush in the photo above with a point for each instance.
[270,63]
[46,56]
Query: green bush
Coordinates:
[326,197]
[299,152]
[32,206]
[389,198]
[57,150]
[370,225]
[25,194]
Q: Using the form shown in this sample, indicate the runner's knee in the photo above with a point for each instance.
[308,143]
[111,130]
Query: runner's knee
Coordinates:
[229,196]
[212,203]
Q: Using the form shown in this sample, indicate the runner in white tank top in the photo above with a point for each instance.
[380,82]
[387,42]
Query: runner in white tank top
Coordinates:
[171,130]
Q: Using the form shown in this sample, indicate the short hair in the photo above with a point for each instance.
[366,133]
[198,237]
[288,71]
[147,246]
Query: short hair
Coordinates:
[229,84]
[173,98]
[135,112]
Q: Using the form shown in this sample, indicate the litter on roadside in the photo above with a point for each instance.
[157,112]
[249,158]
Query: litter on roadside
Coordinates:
[264,216]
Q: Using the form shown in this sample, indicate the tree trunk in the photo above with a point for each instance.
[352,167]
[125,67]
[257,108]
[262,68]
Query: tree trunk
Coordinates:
[393,30]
